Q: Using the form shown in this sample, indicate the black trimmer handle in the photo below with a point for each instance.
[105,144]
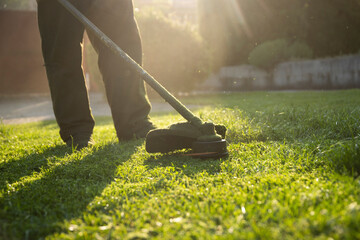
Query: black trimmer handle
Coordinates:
[173,101]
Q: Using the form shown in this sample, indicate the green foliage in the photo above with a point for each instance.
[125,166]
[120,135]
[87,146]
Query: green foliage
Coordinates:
[173,53]
[333,30]
[270,53]
[293,173]
[236,27]
[298,50]
[224,31]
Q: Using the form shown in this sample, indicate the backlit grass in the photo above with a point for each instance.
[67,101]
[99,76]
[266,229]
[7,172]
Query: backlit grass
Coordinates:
[293,173]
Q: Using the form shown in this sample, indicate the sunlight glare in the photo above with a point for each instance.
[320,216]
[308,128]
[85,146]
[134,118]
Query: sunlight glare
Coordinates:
[238,18]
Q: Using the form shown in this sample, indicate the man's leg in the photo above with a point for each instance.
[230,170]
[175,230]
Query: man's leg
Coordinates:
[61,36]
[125,89]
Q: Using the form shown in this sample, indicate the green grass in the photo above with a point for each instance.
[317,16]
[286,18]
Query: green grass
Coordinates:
[293,173]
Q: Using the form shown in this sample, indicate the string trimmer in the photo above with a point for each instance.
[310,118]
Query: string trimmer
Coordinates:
[206,140]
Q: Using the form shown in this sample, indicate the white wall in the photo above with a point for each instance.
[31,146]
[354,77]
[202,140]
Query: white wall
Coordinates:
[339,72]
[329,73]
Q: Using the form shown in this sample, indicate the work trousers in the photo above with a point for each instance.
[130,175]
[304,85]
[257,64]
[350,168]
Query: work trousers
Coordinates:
[62,36]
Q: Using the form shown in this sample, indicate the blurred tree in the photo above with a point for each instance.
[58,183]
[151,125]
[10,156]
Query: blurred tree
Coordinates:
[334,27]
[270,53]
[173,53]
[233,28]
[214,27]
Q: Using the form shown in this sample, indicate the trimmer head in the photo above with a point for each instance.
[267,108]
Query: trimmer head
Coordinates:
[206,142]
[215,149]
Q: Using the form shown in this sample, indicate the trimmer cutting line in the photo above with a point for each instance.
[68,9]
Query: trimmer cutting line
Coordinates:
[205,139]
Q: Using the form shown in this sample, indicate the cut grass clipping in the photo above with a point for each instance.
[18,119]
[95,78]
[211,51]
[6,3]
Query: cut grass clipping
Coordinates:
[293,173]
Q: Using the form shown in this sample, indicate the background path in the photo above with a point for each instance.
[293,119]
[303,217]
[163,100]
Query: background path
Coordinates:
[16,110]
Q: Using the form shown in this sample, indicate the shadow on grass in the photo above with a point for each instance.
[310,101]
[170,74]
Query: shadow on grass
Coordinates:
[62,193]
[14,169]
[190,166]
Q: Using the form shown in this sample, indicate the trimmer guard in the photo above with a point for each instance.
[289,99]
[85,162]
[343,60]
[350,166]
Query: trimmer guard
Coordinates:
[186,136]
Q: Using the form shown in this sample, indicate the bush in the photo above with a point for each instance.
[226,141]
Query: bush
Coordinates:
[267,54]
[270,53]
[173,53]
[298,50]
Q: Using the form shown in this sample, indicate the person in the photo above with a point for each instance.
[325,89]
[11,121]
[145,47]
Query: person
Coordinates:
[61,36]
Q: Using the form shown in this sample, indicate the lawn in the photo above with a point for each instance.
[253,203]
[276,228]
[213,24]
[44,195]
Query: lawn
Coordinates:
[293,173]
